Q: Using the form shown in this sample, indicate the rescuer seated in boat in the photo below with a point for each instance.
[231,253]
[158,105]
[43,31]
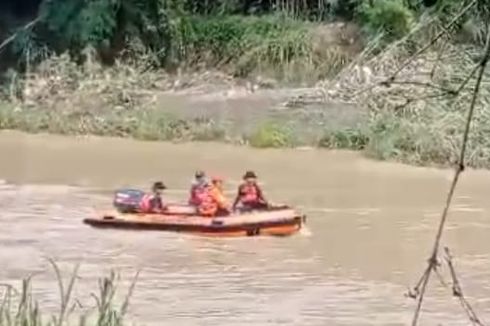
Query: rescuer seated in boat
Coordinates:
[152,203]
[250,195]
[198,188]
[214,202]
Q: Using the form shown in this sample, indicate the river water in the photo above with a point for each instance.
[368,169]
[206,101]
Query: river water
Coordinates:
[370,229]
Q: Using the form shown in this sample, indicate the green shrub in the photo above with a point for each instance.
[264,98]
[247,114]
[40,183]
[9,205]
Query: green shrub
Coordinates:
[389,16]
[353,139]
[271,135]
[247,42]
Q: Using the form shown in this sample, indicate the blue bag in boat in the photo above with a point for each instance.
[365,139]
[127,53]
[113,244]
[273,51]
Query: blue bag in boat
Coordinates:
[127,200]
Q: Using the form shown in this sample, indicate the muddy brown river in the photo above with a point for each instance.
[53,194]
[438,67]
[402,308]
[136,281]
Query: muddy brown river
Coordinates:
[370,229]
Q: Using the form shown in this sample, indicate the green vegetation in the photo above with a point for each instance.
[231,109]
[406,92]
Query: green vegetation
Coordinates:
[241,35]
[389,16]
[183,33]
[418,105]
[350,138]
[96,67]
[271,134]
[149,125]
[19,308]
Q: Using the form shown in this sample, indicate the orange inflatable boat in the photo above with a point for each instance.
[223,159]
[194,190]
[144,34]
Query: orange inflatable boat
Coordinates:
[280,221]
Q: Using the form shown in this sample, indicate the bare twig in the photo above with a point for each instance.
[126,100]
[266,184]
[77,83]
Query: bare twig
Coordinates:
[458,291]
[467,79]
[12,37]
[445,30]
[441,278]
[416,290]
[411,100]
[424,84]
[459,169]
[436,38]
[444,91]
[438,59]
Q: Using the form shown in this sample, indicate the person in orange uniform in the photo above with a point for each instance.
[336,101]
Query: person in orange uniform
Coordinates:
[219,196]
[250,195]
[214,202]
[152,203]
[198,189]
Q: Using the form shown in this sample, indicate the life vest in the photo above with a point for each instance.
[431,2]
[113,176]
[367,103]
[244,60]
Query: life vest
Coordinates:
[208,205]
[198,194]
[249,193]
[146,203]
[219,198]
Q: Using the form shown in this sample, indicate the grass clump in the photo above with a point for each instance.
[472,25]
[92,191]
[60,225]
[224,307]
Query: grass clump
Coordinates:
[19,308]
[271,135]
[150,124]
[350,138]
[392,17]
[276,45]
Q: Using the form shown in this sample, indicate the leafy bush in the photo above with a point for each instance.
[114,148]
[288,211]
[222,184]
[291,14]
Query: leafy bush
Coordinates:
[389,16]
[354,139]
[248,42]
[271,135]
[174,32]
[107,25]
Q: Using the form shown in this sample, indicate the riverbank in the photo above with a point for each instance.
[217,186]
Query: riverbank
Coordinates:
[259,119]
[268,126]
[416,118]
[212,106]
[123,101]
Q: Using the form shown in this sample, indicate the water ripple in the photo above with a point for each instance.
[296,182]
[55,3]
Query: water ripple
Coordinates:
[347,272]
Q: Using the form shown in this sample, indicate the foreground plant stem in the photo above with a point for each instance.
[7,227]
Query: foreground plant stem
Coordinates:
[433,261]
